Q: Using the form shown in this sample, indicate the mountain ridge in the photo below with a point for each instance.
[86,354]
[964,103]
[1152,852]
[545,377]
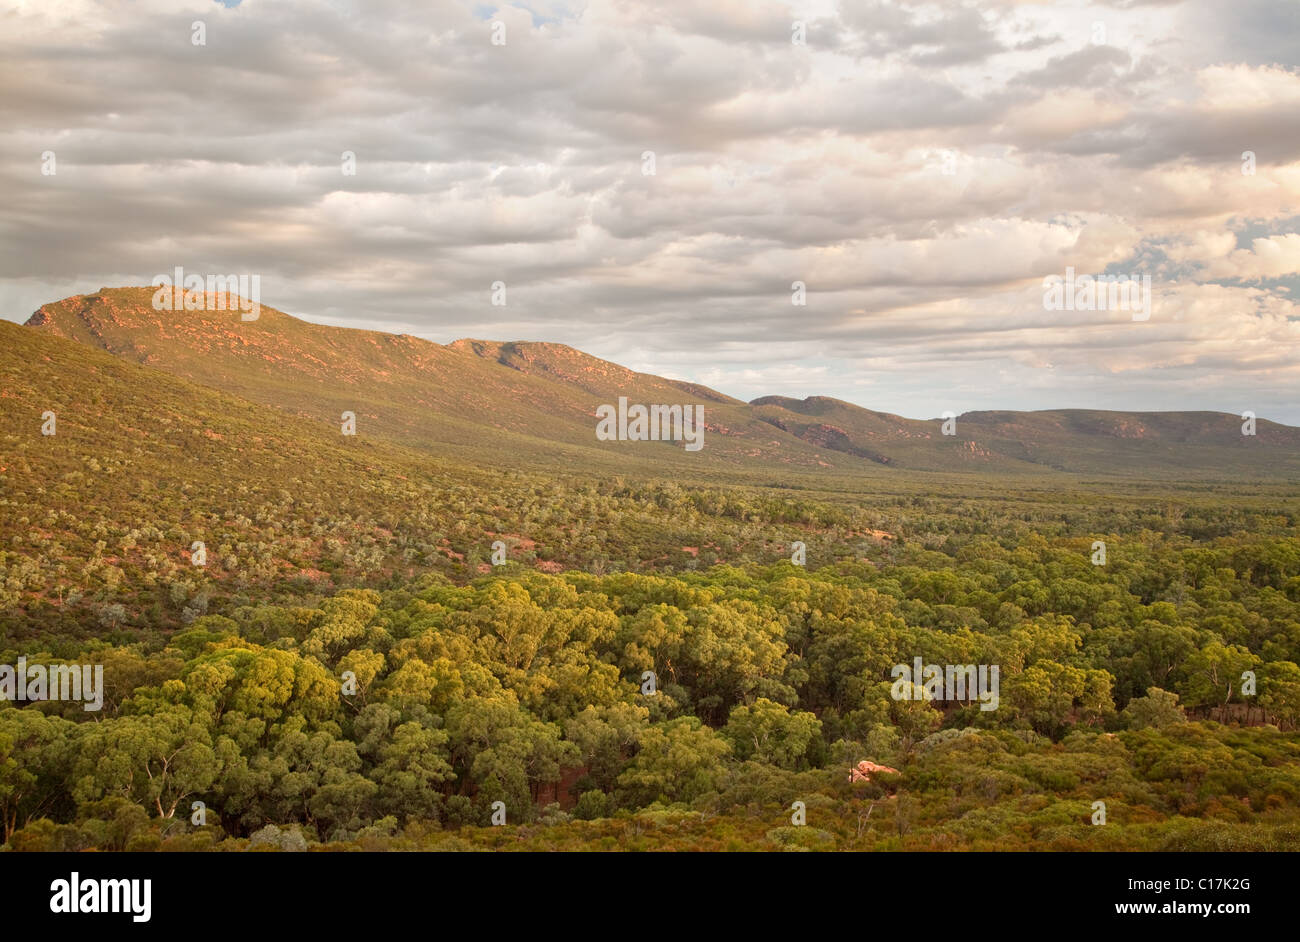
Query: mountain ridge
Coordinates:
[534,396]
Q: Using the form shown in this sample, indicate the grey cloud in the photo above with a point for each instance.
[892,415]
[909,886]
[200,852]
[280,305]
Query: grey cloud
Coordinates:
[523,163]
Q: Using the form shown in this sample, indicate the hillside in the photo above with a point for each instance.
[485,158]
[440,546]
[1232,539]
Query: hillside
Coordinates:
[99,518]
[535,404]
[1088,441]
[333,557]
[519,402]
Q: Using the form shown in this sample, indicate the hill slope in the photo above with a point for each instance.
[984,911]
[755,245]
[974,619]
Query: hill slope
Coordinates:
[1186,444]
[517,400]
[535,404]
[99,518]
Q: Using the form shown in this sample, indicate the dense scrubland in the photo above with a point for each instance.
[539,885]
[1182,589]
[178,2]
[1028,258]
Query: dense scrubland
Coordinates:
[1120,683]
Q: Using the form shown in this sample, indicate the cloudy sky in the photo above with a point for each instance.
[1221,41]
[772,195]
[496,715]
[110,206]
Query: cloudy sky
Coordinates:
[921,168]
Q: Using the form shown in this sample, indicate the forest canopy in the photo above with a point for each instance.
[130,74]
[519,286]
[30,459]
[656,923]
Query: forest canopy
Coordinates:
[698,707]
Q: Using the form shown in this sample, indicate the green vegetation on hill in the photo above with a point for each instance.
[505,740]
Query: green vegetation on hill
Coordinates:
[335,560]
[100,517]
[536,402]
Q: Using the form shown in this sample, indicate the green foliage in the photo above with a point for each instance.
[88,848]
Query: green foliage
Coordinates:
[524,684]
[526,689]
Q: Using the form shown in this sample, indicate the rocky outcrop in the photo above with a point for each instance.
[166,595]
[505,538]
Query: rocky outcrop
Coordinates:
[863,771]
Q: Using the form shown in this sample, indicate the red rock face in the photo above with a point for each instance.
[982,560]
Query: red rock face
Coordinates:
[863,771]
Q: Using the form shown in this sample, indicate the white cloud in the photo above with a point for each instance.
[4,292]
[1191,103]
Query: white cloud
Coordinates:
[775,162]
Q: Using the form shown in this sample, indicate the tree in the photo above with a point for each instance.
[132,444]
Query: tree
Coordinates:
[1045,694]
[410,772]
[35,756]
[679,760]
[1157,709]
[770,733]
[606,737]
[506,752]
[1279,693]
[158,760]
[1214,674]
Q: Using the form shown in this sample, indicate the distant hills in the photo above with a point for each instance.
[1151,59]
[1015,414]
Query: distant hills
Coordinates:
[535,403]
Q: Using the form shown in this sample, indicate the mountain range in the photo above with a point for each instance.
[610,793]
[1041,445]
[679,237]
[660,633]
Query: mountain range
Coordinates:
[534,403]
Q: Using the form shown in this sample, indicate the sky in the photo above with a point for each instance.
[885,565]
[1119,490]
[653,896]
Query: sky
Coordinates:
[922,169]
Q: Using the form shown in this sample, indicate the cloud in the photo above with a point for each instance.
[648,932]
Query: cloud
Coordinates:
[921,167]
[1269,257]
